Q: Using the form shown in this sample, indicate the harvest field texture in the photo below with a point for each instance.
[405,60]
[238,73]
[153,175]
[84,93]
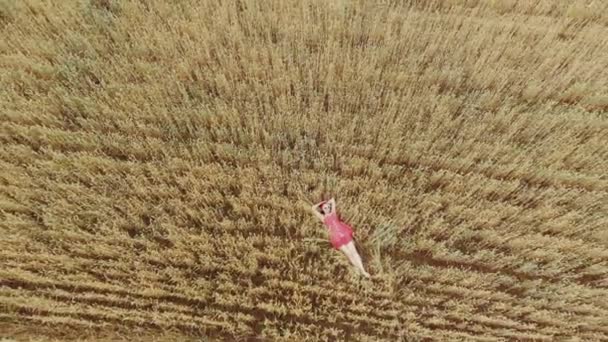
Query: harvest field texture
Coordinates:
[158,161]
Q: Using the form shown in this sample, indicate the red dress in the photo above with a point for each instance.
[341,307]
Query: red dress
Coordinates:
[339,232]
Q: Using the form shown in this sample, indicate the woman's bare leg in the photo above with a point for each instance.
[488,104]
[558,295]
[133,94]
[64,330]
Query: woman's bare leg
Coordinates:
[353,256]
[357,257]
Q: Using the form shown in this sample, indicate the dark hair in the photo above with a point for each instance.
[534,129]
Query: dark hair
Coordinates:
[321,207]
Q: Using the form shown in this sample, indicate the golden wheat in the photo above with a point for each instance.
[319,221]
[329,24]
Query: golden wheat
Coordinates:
[158,161]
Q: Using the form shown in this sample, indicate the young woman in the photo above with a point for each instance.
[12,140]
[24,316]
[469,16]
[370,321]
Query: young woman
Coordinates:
[340,234]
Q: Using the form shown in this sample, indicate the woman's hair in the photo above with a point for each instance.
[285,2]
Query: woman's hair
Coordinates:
[320,207]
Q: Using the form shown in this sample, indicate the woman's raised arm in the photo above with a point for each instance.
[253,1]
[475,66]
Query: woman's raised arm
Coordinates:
[332,204]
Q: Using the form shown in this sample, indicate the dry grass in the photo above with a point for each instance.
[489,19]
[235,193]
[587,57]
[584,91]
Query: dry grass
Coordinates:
[157,161]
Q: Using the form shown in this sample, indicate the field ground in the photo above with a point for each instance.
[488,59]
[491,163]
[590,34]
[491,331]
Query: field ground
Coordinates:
[158,159]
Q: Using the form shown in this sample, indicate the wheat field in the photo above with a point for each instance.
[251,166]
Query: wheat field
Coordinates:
[158,161]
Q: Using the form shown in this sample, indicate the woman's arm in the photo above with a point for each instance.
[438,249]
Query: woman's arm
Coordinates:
[334,209]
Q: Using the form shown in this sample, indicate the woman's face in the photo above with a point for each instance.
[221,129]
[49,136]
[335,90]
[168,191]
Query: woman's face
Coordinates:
[326,208]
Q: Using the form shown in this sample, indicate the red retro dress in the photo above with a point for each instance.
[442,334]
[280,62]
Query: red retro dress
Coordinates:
[339,232]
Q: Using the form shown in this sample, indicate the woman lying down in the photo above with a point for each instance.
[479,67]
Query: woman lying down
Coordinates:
[340,233]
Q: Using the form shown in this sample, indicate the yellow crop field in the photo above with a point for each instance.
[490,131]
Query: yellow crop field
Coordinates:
[158,161]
